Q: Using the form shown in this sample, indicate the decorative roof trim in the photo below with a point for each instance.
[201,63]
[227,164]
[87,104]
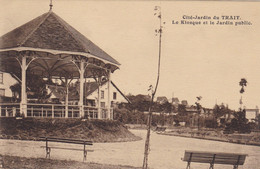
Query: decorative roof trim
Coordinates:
[57,52]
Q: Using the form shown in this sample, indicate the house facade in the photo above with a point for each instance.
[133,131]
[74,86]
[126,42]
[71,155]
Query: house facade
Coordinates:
[6,80]
[252,114]
[115,96]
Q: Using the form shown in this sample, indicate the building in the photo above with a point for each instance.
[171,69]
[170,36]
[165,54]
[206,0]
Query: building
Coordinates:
[161,99]
[191,110]
[175,101]
[206,111]
[252,114]
[184,102]
[6,80]
[49,47]
[58,94]
[115,95]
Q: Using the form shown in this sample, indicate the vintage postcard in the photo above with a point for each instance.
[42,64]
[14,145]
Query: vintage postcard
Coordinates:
[129,84]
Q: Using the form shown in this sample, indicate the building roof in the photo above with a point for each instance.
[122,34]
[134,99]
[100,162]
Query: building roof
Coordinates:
[184,102]
[161,99]
[51,34]
[191,109]
[90,87]
[175,99]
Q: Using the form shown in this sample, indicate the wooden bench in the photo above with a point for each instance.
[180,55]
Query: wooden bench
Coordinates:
[69,141]
[214,158]
[160,129]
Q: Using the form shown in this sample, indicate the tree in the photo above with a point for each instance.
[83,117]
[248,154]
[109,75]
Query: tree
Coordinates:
[147,141]
[198,106]
[165,107]
[182,110]
[36,87]
[258,122]
[220,110]
[121,115]
[239,123]
[16,89]
[242,83]
[139,102]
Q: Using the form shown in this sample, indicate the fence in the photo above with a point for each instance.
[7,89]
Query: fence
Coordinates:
[53,111]
[9,109]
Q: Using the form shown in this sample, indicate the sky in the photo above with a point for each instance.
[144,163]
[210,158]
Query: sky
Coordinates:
[196,60]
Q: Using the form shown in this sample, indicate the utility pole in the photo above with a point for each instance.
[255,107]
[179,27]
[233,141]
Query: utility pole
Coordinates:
[147,142]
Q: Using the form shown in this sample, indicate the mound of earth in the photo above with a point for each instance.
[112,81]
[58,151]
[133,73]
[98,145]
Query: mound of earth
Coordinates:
[93,130]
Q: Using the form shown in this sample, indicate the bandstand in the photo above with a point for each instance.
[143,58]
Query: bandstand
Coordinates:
[49,47]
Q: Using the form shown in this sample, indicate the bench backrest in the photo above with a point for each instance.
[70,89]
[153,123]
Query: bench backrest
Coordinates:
[214,157]
[64,140]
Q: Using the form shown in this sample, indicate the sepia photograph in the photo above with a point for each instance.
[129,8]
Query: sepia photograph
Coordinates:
[130,84]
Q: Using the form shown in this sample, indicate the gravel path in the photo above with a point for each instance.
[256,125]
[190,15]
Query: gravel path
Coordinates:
[166,151]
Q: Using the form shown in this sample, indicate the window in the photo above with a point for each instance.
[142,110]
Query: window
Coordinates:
[1,78]
[102,94]
[2,92]
[114,95]
[103,104]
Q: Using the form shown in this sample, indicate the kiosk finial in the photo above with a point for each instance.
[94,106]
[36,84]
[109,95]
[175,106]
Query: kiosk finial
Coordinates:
[51,5]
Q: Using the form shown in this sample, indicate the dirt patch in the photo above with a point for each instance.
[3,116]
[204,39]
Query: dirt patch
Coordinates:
[93,130]
[37,163]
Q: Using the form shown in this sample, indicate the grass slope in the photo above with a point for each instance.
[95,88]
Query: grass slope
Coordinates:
[94,130]
[38,163]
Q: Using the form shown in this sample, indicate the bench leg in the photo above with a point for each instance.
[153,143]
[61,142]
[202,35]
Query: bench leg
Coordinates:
[211,166]
[235,166]
[48,152]
[188,165]
[85,155]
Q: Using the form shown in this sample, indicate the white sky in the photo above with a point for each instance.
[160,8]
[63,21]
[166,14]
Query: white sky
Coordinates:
[202,60]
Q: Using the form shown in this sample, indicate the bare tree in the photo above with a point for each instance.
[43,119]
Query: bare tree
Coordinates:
[147,142]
